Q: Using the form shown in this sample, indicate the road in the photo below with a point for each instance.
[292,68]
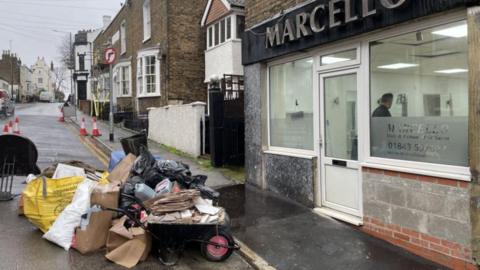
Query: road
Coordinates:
[21,245]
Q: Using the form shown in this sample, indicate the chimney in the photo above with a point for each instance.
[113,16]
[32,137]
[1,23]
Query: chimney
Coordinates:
[106,21]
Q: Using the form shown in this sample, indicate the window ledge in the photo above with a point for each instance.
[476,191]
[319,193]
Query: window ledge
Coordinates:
[454,176]
[149,96]
[125,96]
[290,154]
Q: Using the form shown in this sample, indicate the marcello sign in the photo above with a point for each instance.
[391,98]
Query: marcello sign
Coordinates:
[314,23]
[307,23]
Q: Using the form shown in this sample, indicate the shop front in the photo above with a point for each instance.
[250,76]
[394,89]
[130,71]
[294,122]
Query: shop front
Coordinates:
[362,110]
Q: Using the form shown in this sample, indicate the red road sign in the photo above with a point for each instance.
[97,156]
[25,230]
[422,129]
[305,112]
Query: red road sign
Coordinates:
[110,55]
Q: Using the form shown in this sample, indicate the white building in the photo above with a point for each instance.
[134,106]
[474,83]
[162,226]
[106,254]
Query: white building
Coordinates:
[224,22]
[83,52]
[42,76]
[27,86]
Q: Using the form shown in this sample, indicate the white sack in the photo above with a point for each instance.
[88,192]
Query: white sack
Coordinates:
[62,230]
[64,171]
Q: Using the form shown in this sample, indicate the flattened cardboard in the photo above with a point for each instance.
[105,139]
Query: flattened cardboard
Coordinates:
[127,247]
[121,172]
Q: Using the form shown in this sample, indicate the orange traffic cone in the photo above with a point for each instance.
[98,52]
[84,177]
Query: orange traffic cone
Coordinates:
[95,131]
[5,129]
[62,117]
[83,130]
[16,130]
[10,127]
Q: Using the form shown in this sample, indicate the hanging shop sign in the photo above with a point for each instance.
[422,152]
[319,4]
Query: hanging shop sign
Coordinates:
[324,21]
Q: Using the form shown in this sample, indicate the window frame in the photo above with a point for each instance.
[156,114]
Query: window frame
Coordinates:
[119,75]
[304,153]
[147,20]
[423,168]
[213,34]
[141,88]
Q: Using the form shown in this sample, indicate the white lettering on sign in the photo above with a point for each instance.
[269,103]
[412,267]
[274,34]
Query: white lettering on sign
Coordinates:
[306,23]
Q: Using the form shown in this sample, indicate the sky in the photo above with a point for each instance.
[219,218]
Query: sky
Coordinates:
[36,28]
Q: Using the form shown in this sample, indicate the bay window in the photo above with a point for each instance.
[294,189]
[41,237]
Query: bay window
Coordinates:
[221,31]
[419,96]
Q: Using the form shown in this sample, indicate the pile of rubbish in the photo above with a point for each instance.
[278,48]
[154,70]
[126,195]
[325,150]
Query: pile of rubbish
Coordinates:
[78,206]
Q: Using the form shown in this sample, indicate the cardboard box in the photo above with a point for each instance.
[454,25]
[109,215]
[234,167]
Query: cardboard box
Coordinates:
[121,172]
[95,236]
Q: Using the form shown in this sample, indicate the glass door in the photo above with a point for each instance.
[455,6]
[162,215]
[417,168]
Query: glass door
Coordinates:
[340,183]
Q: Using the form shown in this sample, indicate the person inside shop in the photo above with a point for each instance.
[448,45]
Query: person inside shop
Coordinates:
[383,110]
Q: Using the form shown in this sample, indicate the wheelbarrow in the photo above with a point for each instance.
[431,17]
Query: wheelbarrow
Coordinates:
[18,156]
[170,239]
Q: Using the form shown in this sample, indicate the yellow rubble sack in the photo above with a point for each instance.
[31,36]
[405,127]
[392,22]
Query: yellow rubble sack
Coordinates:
[44,199]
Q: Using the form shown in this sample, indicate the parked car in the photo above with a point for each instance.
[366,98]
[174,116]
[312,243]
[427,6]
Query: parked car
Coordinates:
[45,97]
[7,104]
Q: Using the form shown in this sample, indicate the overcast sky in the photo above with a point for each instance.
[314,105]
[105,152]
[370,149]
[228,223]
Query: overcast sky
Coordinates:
[36,27]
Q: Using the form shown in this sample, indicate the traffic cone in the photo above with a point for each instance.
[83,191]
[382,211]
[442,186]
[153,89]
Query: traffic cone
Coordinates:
[62,117]
[10,127]
[5,129]
[95,131]
[83,130]
[16,130]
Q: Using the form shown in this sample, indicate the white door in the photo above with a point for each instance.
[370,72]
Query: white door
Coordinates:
[339,168]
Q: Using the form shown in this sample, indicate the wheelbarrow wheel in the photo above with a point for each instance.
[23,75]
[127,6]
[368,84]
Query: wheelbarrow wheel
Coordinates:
[217,253]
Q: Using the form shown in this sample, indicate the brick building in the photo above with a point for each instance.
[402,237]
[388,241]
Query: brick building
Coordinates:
[160,54]
[10,66]
[367,112]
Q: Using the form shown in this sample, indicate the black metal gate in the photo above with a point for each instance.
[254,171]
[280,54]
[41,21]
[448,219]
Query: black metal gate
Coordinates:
[227,122]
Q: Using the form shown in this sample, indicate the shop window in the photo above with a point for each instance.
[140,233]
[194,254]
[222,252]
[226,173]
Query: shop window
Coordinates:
[419,96]
[291,105]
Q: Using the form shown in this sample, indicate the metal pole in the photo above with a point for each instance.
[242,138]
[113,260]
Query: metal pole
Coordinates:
[110,115]
[11,70]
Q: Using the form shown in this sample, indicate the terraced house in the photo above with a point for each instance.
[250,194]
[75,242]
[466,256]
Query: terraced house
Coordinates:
[160,55]
[368,112]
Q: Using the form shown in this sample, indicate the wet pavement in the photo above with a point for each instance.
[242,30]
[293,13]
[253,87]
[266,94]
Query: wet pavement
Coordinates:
[21,244]
[290,236]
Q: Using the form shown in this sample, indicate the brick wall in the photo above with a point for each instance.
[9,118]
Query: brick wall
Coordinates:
[186,52]
[425,215]
[9,63]
[217,10]
[260,10]
[176,31]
